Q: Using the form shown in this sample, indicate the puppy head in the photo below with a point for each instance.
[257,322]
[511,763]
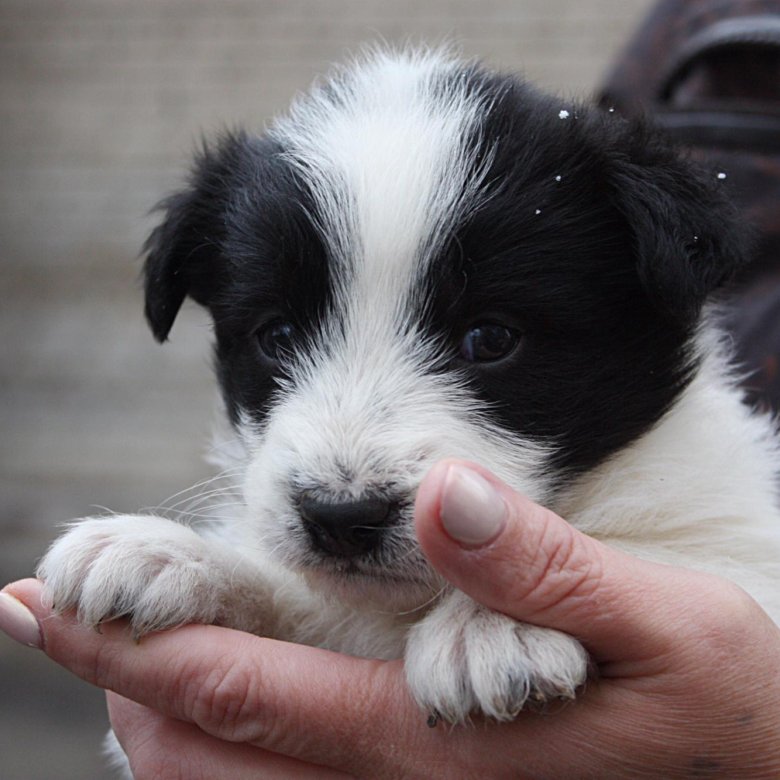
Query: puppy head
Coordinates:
[425,259]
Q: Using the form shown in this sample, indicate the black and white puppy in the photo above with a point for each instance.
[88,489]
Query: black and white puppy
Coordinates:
[425,259]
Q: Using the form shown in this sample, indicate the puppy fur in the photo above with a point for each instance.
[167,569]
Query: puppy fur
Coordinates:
[426,259]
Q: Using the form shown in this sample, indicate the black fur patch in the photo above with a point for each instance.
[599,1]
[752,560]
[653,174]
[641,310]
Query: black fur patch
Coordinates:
[600,245]
[239,241]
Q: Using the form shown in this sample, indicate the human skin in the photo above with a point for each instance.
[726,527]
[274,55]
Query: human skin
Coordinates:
[687,685]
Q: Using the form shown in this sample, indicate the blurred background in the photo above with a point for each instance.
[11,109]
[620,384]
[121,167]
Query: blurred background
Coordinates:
[102,102]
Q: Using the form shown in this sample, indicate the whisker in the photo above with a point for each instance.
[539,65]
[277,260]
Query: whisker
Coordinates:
[424,604]
[201,498]
[203,483]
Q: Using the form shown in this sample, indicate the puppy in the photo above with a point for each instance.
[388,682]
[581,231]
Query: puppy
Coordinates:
[426,259]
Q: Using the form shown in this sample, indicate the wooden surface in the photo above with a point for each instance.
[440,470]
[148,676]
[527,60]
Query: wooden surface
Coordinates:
[102,101]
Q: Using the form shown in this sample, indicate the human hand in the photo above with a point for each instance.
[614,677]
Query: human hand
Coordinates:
[689,670]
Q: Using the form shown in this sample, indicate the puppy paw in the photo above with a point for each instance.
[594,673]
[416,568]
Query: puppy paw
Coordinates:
[463,659]
[156,572]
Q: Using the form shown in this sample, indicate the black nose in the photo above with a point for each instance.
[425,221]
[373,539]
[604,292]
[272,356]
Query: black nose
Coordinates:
[345,528]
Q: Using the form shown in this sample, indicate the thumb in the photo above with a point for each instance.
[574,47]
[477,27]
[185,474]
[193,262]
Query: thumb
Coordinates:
[517,557]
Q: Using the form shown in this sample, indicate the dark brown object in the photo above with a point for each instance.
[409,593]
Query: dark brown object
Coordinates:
[709,72]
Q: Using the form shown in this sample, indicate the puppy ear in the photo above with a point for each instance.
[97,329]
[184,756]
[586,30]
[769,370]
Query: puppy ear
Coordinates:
[168,252]
[183,250]
[688,241]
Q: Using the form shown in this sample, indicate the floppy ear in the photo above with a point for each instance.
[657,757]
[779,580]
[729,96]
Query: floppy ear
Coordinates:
[183,250]
[688,241]
[170,252]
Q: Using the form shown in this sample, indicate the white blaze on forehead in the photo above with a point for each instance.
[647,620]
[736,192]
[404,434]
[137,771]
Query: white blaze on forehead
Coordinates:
[387,149]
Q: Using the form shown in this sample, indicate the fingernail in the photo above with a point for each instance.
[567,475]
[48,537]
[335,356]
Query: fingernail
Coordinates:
[472,511]
[18,622]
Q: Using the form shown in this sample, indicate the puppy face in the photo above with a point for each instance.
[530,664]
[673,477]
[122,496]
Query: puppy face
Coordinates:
[426,260]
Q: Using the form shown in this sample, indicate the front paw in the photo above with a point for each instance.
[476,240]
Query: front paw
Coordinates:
[155,572]
[463,658]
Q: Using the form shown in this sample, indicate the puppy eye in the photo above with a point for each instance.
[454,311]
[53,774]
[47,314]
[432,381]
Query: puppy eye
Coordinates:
[277,339]
[487,342]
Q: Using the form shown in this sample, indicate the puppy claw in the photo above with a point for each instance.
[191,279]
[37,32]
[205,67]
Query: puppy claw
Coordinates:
[463,659]
[156,572]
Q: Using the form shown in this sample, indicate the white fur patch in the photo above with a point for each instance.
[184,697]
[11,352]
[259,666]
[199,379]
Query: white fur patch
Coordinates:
[384,148]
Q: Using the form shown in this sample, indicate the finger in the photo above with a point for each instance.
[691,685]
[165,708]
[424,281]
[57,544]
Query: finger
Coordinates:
[159,746]
[517,557]
[303,702]
[340,712]
[321,708]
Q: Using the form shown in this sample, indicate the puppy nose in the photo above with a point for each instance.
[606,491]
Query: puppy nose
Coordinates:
[345,528]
